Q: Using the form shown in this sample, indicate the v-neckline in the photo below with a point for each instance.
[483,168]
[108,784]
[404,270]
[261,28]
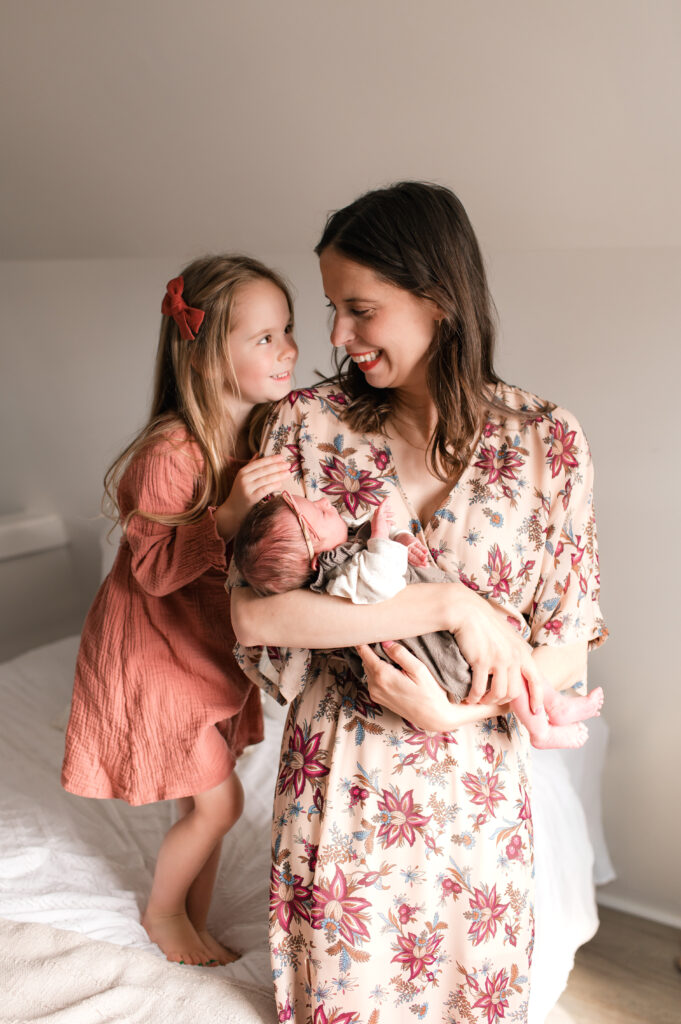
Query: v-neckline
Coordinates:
[442,506]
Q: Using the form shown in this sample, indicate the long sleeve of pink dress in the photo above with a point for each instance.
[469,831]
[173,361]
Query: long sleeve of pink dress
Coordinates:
[160,707]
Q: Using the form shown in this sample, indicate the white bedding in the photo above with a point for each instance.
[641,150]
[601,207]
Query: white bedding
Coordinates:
[86,866]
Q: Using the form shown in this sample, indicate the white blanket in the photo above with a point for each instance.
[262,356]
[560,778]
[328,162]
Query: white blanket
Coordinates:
[72,865]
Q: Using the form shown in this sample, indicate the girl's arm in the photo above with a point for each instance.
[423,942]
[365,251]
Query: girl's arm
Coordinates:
[500,659]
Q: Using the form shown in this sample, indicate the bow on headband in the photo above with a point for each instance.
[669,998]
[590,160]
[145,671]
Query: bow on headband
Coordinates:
[187,319]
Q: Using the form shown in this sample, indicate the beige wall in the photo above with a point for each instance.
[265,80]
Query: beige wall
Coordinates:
[595,330]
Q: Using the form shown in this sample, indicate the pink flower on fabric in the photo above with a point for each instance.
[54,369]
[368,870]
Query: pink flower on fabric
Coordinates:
[500,571]
[487,911]
[356,487]
[300,762]
[296,460]
[494,1000]
[417,952]
[430,742]
[561,454]
[320,1016]
[305,393]
[525,813]
[400,819]
[339,913]
[499,463]
[485,790]
[289,898]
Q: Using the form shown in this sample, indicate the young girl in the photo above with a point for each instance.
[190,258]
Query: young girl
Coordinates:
[160,708]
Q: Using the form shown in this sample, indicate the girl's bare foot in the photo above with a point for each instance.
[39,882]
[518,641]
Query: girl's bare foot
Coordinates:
[220,953]
[176,936]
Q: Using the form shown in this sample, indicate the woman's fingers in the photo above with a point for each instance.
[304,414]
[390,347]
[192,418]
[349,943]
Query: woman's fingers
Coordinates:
[408,662]
[479,681]
[535,681]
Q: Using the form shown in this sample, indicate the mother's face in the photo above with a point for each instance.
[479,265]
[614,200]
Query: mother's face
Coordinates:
[386,330]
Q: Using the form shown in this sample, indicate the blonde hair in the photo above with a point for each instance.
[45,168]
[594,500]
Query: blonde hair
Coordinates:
[189,379]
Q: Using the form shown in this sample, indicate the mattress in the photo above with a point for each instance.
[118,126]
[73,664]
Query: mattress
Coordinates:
[75,875]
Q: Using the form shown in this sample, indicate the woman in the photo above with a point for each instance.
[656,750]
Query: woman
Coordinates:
[402,838]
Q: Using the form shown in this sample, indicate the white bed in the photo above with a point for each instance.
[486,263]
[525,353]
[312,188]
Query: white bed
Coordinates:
[74,874]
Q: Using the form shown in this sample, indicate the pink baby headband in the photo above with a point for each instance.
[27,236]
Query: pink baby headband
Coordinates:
[305,527]
[187,319]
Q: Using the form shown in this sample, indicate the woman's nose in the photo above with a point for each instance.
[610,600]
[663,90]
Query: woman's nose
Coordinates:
[341,331]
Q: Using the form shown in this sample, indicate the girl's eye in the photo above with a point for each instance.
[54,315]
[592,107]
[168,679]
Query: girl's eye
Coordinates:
[265,340]
[288,328]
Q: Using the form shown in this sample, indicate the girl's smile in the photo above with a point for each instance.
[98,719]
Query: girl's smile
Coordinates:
[262,351]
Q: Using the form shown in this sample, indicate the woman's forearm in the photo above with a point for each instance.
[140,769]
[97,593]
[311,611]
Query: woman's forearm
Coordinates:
[562,666]
[302,618]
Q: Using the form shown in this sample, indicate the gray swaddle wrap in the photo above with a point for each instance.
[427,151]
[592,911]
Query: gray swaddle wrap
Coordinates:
[439,651]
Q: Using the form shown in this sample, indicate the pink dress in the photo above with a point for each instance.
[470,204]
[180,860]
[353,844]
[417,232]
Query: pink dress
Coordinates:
[401,882]
[160,707]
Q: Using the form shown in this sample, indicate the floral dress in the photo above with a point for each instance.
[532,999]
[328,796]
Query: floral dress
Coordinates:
[401,883]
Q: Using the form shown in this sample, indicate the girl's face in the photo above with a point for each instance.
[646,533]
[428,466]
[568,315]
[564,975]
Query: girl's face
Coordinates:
[385,330]
[261,346]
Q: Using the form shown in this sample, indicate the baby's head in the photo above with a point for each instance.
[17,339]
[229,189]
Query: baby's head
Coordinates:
[276,547]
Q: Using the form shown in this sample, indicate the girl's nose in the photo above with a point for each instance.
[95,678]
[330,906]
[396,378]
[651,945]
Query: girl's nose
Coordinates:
[289,350]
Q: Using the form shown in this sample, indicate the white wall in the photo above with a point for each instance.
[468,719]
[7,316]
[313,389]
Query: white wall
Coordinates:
[596,331]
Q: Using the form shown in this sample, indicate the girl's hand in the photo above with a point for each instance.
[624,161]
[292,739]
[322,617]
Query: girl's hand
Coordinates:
[501,661]
[259,477]
[409,690]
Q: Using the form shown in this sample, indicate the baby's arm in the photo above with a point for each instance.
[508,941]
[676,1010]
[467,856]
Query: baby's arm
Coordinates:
[374,574]
[382,526]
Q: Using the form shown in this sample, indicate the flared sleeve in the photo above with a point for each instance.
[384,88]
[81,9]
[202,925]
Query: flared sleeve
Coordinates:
[565,605]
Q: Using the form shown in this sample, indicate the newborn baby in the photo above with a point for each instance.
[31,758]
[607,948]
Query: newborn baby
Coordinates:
[288,542]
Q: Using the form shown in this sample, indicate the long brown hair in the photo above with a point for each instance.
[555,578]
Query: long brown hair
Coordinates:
[189,382]
[418,236]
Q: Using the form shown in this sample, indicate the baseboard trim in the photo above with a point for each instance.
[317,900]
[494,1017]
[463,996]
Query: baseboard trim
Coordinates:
[615,902]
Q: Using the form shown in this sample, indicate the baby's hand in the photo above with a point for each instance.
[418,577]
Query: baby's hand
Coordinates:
[382,520]
[417,553]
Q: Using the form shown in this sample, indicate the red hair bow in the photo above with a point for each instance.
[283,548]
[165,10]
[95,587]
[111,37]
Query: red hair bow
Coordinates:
[187,319]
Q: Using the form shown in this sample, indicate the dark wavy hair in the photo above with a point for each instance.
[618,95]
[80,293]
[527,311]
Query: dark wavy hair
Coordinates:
[418,236]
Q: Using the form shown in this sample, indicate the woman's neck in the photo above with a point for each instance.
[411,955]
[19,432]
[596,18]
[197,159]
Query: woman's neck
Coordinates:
[414,417]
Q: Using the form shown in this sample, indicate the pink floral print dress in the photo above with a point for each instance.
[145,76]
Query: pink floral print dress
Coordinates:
[401,883]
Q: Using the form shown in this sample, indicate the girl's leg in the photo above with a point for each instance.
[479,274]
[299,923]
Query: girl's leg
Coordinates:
[201,890]
[186,849]
[563,710]
[543,734]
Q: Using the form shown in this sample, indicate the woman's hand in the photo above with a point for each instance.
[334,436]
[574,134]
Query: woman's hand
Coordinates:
[259,477]
[501,661]
[409,689]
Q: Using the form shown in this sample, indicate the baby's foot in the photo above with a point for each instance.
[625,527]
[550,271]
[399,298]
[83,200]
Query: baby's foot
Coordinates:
[563,737]
[176,936]
[577,709]
[221,954]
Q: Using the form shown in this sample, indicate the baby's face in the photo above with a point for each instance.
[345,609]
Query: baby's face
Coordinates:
[328,528]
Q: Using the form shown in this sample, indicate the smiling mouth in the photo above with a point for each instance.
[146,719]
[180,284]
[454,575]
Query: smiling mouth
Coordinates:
[367,360]
[281,376]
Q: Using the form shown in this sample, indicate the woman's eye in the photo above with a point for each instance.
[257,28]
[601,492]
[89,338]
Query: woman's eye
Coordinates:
[330,305]
[360,312]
